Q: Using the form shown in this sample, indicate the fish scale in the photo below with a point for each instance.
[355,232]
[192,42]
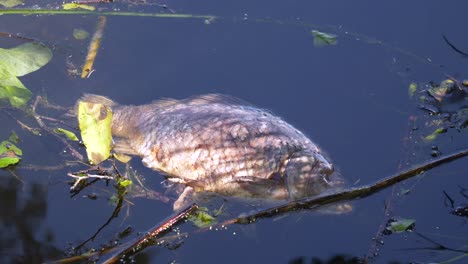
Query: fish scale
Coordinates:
[215,143]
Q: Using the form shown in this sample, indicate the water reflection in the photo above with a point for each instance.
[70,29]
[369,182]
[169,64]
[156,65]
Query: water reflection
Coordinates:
[24,237]
[338,259]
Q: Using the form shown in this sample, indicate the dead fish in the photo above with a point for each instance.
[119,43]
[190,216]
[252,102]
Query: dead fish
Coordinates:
[221,144]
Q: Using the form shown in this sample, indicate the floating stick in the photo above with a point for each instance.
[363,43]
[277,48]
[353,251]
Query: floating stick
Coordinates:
[93,48]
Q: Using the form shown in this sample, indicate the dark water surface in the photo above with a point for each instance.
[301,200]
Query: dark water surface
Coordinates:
[351,99]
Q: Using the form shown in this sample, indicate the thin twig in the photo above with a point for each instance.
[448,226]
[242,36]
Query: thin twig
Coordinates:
[390,202]
[114,214]
[73,151]
[87,176]
[142,242]
[14,36]
[34,131]
[94,254]
[453,46]
[438,246]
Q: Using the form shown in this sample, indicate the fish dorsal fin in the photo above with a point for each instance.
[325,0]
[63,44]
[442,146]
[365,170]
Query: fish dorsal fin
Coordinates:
[97,99]
[124,147]
[202,100]
[91,98]
[165,102]
[215,99]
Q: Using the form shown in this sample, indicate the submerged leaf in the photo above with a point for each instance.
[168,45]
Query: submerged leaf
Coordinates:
[412,89]
[68,134]
[401,225]
[323,39]
[13,138]
[80,34]
[11,3]
[95,126]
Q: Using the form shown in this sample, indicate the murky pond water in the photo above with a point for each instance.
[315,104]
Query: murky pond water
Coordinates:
[350,98]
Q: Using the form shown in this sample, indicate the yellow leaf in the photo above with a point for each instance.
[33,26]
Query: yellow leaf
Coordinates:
[95,126]
[69,6]
[68,134]
[122,157]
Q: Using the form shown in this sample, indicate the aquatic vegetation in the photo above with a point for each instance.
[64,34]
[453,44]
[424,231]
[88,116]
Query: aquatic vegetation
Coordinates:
[323,39]
[10,154]
[68,134]
[17,62]
[400,225]
[11,3]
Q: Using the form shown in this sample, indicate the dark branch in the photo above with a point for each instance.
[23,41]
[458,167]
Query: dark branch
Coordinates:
[453,47]
[347,194]
[138,244]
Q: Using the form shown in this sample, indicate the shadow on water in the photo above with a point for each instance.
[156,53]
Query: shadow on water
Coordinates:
[25,237]
[338,259]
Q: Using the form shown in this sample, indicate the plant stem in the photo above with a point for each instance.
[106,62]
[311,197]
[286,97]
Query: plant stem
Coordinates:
[98,13]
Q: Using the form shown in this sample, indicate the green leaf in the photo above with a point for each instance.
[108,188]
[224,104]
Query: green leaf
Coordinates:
[401,225]
[202,218]
[80,34]
[13,138]
[95,126]
[68,134]
[24,59]
[11,3]
[434,134]
[412,89]
[125,183]
[9,153]
[19,61]
[13,89]
[6,161]
[323,39]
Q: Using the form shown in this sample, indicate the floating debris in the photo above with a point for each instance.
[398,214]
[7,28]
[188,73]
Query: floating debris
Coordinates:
[323,39]
[80,34]
[73,5]
[400,225]
[68,134]
[412,89]
[93,48]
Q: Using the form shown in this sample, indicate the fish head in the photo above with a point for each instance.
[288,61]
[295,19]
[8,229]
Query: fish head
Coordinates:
[308,174]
